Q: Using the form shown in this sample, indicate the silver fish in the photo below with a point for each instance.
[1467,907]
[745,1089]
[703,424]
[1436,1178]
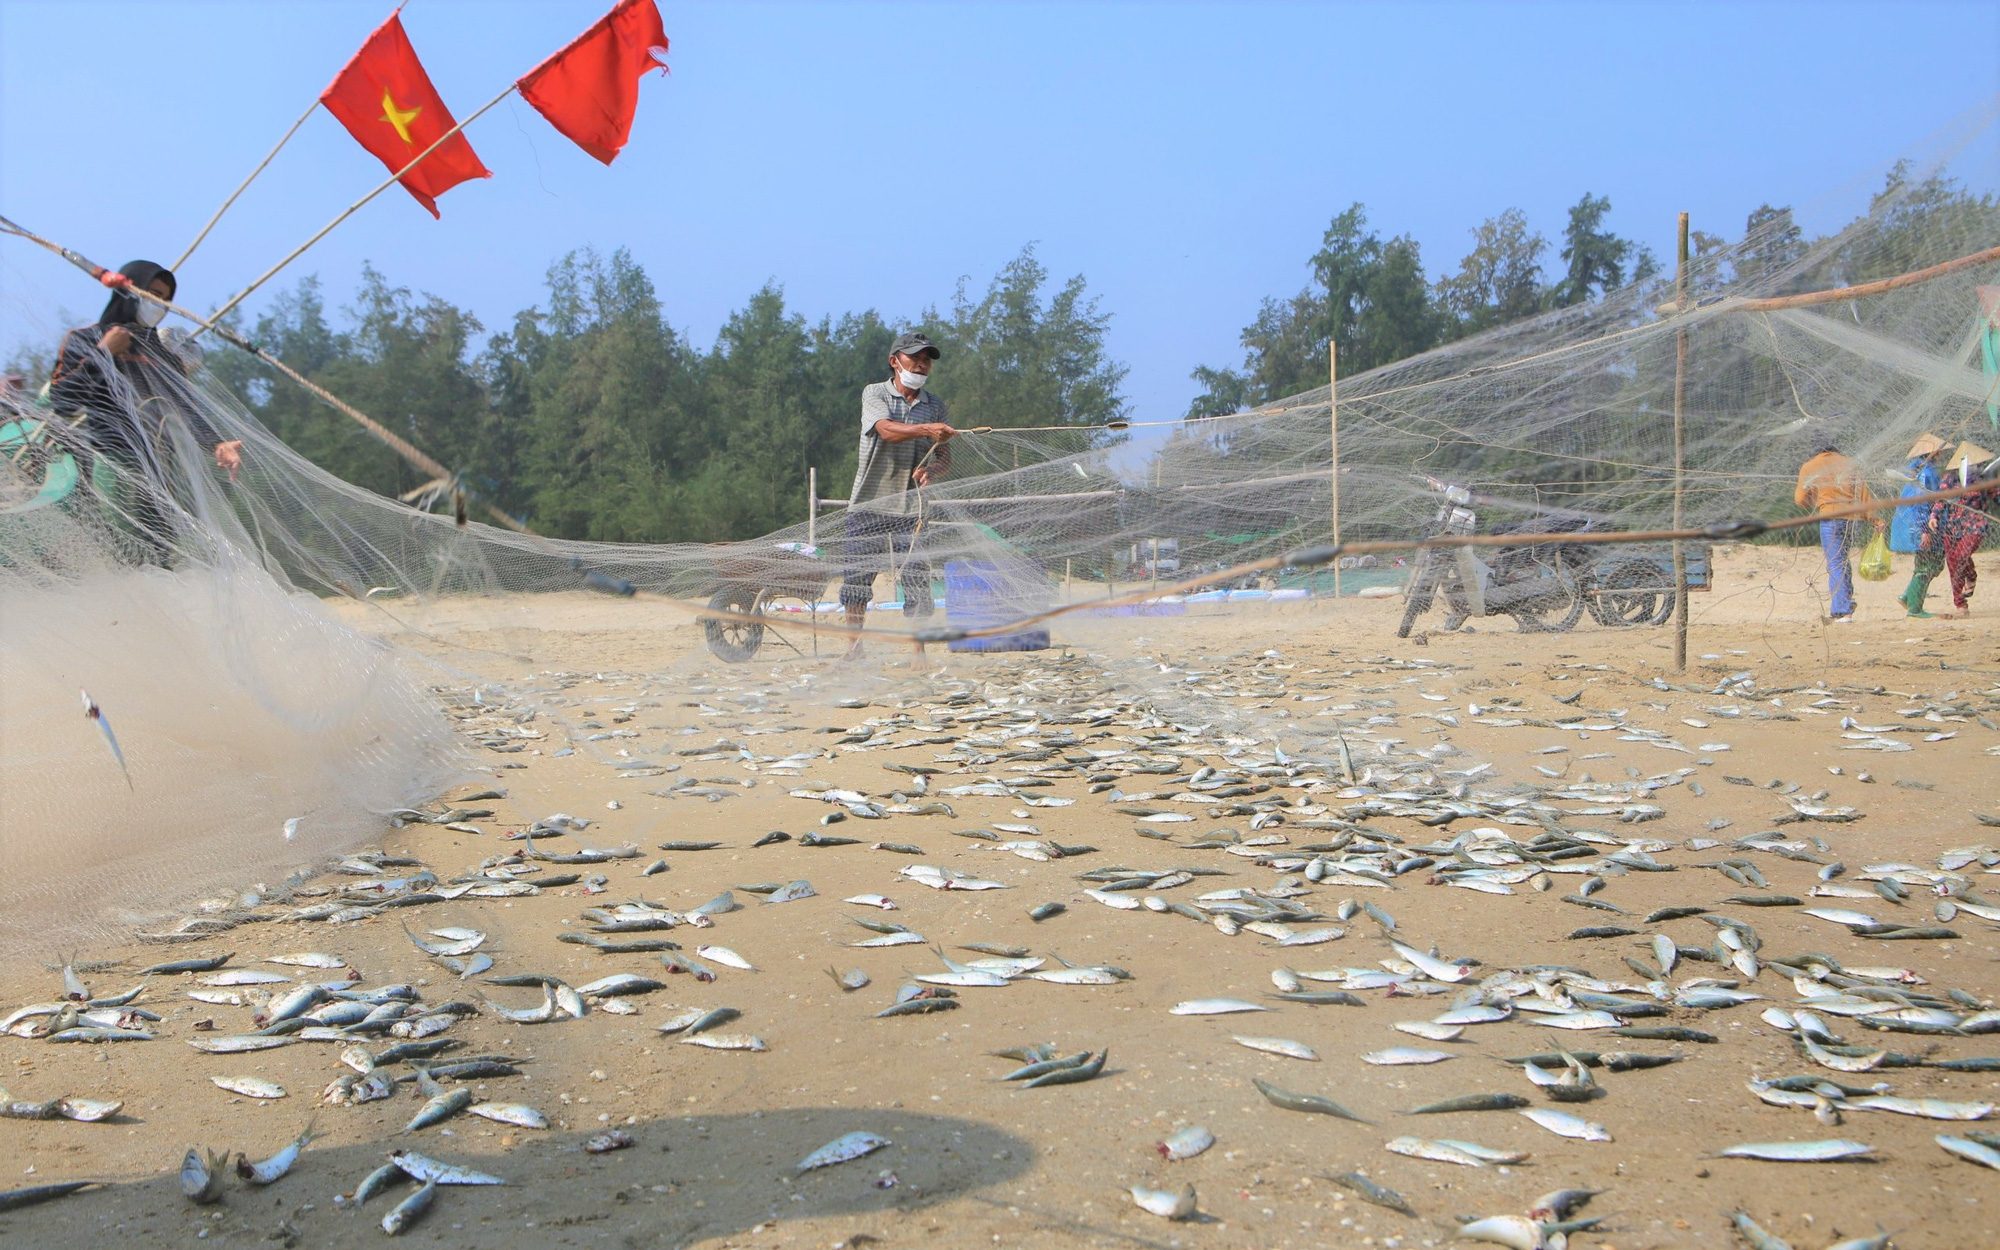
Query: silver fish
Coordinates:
[1167,1203]
[1214,1007]
[518,1114]
[406,1213]
[424,1168]
[1186,1144]
[201,1175]
[1397,1056]
[1278,1046]
[843,1149]
[1563,1124]
[249,1086]
[278,1164]
[1799,1151]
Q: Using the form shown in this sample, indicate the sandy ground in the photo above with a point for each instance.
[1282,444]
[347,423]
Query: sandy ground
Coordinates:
[976,1161]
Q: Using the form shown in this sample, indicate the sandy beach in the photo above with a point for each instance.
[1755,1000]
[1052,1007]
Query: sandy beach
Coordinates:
[630,712]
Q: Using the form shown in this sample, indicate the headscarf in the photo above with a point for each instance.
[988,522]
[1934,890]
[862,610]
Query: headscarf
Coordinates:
[124,307]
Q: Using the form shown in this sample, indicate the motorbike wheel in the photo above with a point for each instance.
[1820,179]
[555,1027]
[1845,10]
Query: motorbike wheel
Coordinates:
[733,641]
[1553,613]
[1423,584]
[1627,594]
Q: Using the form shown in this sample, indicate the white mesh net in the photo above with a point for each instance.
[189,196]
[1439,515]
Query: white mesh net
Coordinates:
[242,701]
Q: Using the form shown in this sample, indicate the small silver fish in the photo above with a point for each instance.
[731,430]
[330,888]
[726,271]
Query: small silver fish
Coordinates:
[278,1164]
[406,1213]
[1214,1007]
[842,1150]
[518,1114]
[1397,1056]
[1799,1151]
[1278,1046]
[1167,1203]
[1186,1144]
[201,1175]
[249,1086]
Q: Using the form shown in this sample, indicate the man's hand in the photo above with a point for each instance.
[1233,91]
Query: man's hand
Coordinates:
[229,456]
[117,341]
[937,430]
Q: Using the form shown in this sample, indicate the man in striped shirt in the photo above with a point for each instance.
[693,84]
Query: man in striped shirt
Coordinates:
[904,436]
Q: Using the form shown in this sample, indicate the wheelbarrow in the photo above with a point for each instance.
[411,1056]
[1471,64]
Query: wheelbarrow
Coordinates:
[752,580]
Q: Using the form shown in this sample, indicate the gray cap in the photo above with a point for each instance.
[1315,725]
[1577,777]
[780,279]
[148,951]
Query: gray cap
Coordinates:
[913,344]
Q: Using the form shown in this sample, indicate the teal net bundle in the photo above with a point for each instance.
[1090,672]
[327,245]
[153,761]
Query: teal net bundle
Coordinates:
[271,647]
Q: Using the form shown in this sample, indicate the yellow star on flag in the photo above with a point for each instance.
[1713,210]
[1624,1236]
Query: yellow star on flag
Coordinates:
[399,118]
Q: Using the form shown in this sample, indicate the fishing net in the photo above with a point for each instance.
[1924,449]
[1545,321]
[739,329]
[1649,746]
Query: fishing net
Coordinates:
[274,645]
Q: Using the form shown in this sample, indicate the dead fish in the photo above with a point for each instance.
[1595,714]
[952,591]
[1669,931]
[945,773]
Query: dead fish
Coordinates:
[852,979]
[249,1086]
[517,1114]
[1799,1151]
[1186,1144]
[1471,1102]
[1397,1056]
[1369,1191]
[1279,1046]
[1517,1232]
[1563,1124]
[1312,1104]
[277,1165]
[201,1175]
[1166,1203]
[406,1213]
[1072,1075]
[1213,1007]
[843,1149]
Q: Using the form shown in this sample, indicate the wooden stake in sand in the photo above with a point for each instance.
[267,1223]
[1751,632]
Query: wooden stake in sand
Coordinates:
[1680,452]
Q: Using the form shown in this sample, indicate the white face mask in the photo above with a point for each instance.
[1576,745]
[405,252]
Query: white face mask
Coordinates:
[150,314]
[912,381]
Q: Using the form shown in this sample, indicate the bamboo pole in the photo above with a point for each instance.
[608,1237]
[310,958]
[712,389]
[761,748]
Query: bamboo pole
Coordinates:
[401,446]
[1333,421]
[812,505]
[350,210]
[1680,450]
[245,187]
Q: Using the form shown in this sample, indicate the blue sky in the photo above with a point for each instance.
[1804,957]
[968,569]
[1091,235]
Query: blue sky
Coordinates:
[1183,157]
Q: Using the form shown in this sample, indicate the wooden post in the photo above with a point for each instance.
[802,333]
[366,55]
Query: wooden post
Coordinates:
[812,505]
[1680,447]
[1333,421]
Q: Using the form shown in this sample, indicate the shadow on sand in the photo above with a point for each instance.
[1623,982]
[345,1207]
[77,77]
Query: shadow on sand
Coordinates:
[683,1180]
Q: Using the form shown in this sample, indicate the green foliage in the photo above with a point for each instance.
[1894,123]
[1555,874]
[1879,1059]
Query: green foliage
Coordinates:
[1596,258]
[591,417]
[1370,296]
[1500,279]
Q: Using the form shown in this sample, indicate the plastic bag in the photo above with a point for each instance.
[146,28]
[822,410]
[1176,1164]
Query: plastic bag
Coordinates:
[1875,559]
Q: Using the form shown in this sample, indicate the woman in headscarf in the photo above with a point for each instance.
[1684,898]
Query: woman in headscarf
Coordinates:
[128,384]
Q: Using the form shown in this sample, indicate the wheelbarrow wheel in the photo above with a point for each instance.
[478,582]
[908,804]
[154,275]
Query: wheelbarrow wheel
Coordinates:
[734,641]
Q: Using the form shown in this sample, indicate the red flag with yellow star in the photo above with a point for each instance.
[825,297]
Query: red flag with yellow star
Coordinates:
[386,101]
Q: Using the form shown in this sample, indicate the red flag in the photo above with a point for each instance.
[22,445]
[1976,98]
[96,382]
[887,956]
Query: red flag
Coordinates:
[386,101]
[590,89]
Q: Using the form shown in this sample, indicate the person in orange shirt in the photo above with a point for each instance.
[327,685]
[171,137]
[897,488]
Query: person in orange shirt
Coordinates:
[1828,482]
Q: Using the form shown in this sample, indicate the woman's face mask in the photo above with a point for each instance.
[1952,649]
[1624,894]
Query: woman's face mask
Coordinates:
[150,314]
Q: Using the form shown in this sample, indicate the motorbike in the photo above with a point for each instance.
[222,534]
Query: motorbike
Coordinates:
[1543,586]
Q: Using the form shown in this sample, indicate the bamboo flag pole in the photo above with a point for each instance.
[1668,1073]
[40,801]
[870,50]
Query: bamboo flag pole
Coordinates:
[349,211]
[1333,420]
[182,260]
[1680,451]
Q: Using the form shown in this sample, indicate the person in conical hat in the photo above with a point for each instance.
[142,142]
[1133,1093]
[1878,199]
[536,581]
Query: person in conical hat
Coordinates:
[1912,521]
[1958,526]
